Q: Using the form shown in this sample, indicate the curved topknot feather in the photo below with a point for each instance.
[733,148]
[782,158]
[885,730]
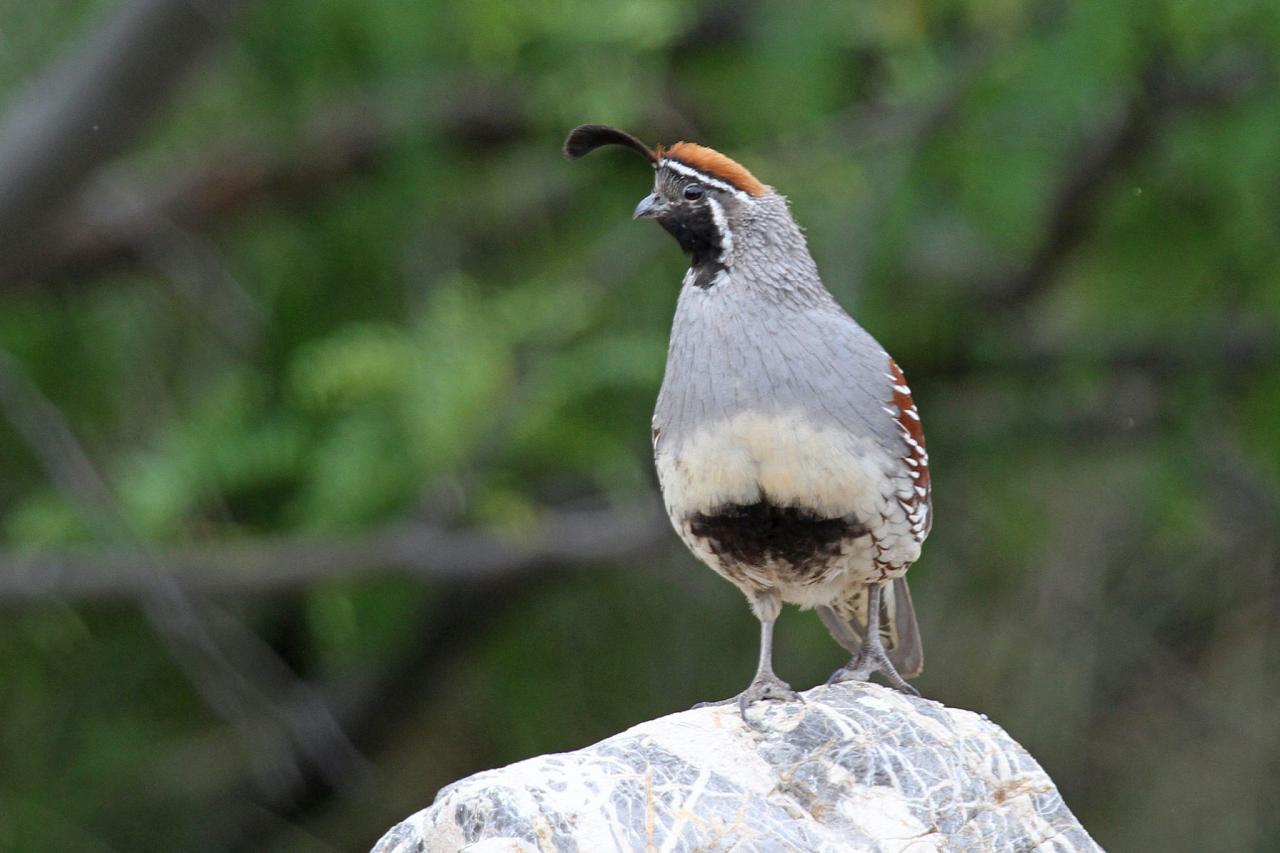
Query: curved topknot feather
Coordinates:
[588,137]
[713,163]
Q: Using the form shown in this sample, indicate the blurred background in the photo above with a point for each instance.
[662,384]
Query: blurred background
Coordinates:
[325,386]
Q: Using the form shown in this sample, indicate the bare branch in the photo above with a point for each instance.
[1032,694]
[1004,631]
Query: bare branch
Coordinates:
[238,675]
[232,176]
[1099,159]
[564,539]
[92,104]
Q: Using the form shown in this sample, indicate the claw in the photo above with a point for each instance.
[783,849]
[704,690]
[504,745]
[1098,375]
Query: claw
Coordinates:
[766,688]
[762,689]
[872,656]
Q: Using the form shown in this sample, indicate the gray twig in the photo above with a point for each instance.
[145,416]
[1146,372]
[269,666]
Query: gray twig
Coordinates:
[1100,158]
[564,539]
[238,675]
[94,102]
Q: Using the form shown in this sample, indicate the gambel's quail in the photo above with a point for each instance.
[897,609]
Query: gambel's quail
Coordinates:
[790,452]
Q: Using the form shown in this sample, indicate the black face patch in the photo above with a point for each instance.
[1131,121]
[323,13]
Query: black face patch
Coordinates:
[695,230]
[760,533]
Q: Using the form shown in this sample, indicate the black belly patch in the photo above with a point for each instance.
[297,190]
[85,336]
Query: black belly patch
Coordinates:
[760,533]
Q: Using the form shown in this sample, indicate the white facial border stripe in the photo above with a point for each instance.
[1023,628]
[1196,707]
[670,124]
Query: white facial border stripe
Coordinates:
[690,172]
[722,225]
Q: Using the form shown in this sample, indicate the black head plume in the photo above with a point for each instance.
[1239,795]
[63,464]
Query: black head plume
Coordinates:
[587,138]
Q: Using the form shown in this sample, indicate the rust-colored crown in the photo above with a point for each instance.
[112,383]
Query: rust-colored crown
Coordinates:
[713,163]
[588,137]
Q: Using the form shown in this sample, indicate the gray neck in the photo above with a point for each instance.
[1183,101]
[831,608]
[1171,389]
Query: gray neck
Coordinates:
[763,337]
[766,256]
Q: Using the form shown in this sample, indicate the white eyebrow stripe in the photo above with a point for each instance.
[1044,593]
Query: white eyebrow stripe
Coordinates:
[690,172]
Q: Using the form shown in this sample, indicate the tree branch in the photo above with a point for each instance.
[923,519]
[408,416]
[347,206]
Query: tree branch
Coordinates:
[100,232]
[564,539]
[1074,208]
[94,102]
[239,676]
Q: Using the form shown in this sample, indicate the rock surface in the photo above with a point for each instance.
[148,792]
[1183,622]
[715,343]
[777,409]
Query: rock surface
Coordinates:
[856,767]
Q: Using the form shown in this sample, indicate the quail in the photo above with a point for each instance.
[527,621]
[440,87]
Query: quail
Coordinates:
[788,447]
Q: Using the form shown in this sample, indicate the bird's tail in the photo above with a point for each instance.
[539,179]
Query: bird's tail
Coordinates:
[847,622]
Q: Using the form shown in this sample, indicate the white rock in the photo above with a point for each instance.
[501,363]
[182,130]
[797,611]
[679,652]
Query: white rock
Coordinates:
[855,767]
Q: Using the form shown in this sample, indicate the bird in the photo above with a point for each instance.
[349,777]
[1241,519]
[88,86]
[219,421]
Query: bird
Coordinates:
[788,446]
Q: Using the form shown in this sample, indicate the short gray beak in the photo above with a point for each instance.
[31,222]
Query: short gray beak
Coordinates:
[650,207]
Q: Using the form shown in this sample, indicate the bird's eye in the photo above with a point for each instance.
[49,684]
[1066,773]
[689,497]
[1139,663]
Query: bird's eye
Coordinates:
[693,192]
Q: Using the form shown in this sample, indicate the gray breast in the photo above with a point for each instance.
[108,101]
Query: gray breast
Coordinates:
[734,351]
[776,412]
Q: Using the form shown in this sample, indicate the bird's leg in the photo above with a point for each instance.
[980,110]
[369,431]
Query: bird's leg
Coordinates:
[872,657]
[766,684]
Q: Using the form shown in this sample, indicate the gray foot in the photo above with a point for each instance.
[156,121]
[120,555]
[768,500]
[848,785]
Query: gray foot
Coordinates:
[872,658]
[768,687]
